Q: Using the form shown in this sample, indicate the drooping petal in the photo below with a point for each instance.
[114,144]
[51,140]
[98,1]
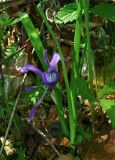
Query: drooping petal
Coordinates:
[30,88]
[32,113]
[46,58]
[55,60]
[50,78]
[23,70]
[32,68]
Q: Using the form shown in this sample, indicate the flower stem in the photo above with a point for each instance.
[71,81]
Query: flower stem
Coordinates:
[63,65]
[75,71]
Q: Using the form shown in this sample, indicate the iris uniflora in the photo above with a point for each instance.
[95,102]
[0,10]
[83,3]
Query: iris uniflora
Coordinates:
[50,78]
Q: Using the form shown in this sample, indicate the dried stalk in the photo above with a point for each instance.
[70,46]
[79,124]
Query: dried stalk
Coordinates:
[12,115]
[47,140]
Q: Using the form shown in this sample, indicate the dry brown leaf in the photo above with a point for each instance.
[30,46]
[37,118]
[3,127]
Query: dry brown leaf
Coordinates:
[64,142]
[110,146]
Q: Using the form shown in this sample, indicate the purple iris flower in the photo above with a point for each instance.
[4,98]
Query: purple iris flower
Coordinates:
[50,78]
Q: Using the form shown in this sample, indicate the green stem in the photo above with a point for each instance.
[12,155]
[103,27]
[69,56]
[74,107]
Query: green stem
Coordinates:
[90,71]
[72,130]
[75,71]
[56,42]
[60,110]
[85,4]
[62,60]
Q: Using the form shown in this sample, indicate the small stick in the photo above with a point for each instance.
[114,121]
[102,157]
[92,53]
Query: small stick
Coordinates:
[12,3]
[47,140]
[12,115]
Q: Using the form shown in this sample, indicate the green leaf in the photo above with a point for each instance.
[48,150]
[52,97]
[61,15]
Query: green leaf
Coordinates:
[104,10]
[67,13]
[109,107]
[33,36]
[106,90]
[84,91]
[10,49]
[5,20]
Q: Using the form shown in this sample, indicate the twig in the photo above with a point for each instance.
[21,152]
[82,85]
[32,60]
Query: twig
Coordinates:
[12,55]
[47,140]
[12,115]
[12,3]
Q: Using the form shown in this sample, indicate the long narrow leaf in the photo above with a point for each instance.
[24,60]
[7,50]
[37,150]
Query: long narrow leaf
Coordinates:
[33,36]
[74,73]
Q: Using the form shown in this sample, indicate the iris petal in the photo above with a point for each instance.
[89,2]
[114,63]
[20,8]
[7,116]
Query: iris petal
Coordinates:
[32,68]
[51,78]
[32,113]
[55,60]
[46,58]
[23,70]
[30,88]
